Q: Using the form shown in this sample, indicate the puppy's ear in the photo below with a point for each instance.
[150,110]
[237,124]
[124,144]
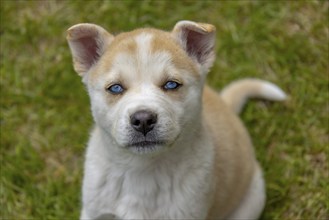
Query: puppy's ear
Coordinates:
[87,43]
[198,40]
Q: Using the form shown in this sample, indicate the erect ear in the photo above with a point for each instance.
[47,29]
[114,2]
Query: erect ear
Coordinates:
[87,43]
[198,40]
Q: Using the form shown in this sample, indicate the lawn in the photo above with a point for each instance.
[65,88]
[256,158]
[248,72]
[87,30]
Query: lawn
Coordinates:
[45,116]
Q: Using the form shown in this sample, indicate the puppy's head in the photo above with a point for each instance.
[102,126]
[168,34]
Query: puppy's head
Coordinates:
[146,85]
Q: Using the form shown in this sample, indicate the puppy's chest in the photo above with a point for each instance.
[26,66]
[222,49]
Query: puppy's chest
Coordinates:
[152,194]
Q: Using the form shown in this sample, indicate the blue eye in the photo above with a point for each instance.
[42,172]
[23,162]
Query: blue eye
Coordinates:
[116,89]
[171,85]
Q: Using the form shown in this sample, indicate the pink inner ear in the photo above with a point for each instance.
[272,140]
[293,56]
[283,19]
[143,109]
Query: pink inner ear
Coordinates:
[198,45]
[89,51]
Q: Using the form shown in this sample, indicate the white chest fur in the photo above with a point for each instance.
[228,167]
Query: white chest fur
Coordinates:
[133,187]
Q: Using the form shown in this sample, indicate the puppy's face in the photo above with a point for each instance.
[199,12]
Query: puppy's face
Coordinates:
[145,86]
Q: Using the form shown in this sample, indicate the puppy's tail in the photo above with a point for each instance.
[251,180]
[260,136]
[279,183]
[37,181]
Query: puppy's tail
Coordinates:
[237,93]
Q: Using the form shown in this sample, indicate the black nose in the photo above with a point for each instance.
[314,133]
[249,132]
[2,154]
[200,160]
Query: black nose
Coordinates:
[143,121]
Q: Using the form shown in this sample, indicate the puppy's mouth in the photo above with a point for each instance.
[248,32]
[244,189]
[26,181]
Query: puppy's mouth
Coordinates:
[145,147]
[146,143]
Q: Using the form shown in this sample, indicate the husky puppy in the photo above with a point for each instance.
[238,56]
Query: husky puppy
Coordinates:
[165,145]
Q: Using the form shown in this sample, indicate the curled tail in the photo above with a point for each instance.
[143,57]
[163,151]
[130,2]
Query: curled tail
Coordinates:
[237,93]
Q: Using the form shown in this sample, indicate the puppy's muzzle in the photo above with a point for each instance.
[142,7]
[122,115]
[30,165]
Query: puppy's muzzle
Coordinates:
[143,121]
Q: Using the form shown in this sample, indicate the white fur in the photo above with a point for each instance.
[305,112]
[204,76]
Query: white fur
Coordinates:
[175,187]
[272,92]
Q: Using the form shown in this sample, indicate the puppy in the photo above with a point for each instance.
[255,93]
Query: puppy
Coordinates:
[164,145]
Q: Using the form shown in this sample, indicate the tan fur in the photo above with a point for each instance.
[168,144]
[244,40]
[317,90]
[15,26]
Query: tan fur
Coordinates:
[203,27]
[125,43]
[180,59]
[235,96]
[234,154]
[128,46]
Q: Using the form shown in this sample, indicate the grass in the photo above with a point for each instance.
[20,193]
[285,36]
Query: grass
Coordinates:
[45,115]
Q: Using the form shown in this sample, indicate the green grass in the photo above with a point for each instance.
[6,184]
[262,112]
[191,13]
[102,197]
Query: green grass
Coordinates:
[45,115]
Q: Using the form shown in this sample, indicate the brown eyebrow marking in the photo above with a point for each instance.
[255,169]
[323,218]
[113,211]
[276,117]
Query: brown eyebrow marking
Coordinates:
[161,41]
